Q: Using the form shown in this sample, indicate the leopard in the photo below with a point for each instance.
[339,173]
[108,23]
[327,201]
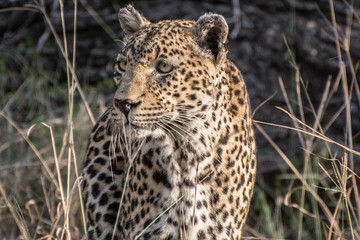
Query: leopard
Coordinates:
[174,155]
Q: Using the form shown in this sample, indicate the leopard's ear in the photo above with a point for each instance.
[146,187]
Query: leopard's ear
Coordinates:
[211,32]
[131,20]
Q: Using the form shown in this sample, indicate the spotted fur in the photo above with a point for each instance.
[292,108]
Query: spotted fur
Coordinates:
[175,153]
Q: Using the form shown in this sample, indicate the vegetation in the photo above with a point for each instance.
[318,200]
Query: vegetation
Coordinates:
[45,123]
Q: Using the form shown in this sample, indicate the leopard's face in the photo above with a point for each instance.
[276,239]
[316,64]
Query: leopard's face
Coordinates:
[163,82]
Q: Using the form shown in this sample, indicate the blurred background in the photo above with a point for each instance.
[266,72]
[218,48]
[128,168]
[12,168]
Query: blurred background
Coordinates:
[300,55]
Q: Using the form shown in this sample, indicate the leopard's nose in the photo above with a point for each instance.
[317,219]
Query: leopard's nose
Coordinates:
[125,105]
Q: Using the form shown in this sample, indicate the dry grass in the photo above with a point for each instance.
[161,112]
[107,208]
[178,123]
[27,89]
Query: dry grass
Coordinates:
[39,173]
[329,194]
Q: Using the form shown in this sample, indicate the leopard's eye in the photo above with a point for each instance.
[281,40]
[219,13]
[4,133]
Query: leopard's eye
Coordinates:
[163,67]
[122,65]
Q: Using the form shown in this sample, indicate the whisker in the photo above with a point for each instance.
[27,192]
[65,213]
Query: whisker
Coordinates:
[194,115]
[183,116]
[186,117]
[169,125]
[179,129]
[183,129]
[166,130]
[182,125]
[182,120]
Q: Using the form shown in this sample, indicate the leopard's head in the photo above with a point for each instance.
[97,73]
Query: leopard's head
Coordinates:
[167,73]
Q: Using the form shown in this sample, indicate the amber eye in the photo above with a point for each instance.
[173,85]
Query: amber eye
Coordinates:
[122,65]
[163,67]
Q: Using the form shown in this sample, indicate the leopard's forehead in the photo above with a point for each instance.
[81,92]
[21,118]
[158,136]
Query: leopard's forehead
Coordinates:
[166,34]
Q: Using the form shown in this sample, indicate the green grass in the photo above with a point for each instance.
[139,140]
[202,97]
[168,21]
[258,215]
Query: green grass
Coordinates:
[45,126]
